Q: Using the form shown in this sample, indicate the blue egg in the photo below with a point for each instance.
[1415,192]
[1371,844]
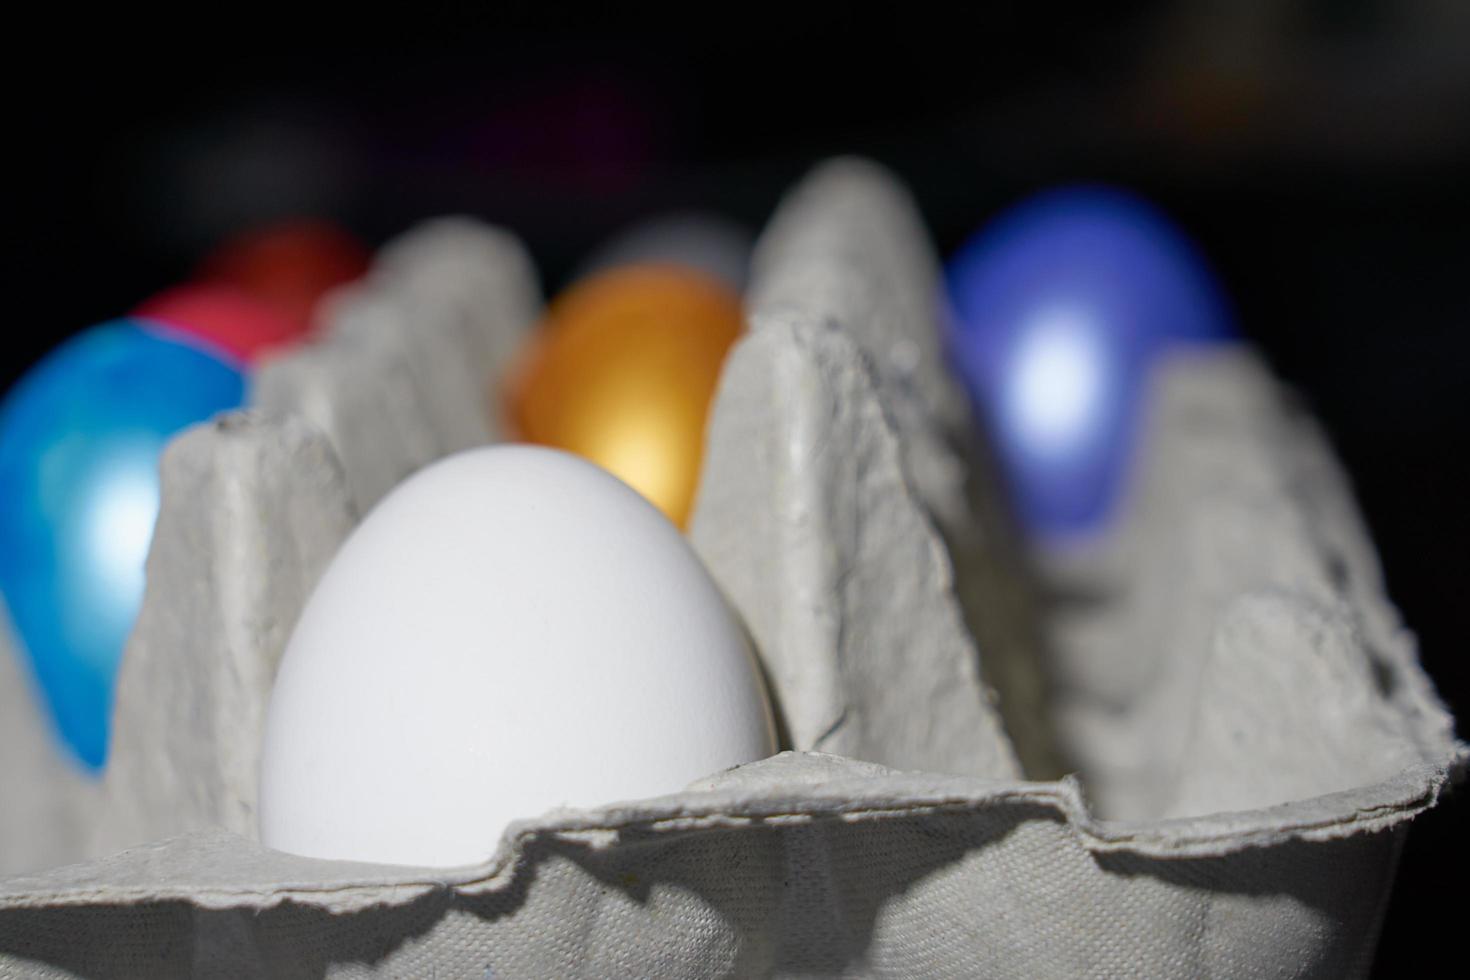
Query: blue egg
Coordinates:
[1061,305]
[80,438]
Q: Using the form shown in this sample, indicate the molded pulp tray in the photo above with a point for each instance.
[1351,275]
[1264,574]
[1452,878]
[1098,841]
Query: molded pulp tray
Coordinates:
[1247,721]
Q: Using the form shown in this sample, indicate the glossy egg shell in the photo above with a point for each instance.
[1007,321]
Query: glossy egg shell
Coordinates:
[622,372]
[291,265]
[1061,307]
[81,435]
[240,326]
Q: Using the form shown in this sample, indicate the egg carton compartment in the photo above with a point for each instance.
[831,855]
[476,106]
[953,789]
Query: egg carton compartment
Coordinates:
[253,512]
[1244,712]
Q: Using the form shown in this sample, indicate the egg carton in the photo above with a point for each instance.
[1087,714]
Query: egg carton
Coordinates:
[1222,674]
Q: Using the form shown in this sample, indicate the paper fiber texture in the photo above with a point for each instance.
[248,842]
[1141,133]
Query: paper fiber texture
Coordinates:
[846,250]
[805,518]
[1241,578]
[226,581]
[47,801]
[254,506]
[402,376]
[799,865]
[1251,727]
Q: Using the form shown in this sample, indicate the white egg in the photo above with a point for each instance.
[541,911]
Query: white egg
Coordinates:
[510,630]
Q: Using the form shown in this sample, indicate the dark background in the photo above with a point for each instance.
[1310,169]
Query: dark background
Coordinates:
[1319,152]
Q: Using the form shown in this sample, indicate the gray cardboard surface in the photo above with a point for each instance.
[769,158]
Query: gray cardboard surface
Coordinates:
[404,373]
[847,249]
[48,799]
[805,518]
[253,511]
[1241,526]
[1252,727]
[797,865]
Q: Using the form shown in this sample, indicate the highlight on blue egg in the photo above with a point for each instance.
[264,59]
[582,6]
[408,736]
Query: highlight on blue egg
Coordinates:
[1060,307]
[81,434]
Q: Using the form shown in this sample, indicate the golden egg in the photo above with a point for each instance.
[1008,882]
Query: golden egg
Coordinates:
[622,371]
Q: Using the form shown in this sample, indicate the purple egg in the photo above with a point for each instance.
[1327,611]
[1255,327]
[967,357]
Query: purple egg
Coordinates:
[1062,304]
